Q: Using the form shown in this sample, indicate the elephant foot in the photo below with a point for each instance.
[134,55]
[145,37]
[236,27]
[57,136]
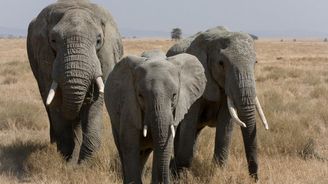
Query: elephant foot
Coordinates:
[255,177]
[221,163]
[176,169]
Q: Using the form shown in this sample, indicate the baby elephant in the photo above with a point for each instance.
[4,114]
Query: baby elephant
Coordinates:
[146,98]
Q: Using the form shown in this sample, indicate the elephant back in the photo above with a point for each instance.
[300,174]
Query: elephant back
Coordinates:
[181,46]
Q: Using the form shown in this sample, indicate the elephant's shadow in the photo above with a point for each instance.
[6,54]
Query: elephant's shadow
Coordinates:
[14,156]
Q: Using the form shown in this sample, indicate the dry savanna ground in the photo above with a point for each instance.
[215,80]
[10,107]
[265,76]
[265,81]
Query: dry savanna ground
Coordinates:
[292,84]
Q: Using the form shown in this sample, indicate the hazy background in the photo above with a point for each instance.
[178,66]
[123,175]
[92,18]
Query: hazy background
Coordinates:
[156,18]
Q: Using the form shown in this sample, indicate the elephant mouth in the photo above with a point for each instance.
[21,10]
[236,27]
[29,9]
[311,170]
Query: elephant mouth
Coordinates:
[56,92]
[234,115]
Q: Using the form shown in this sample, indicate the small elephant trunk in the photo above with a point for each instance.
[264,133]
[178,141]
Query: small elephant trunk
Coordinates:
[163,146]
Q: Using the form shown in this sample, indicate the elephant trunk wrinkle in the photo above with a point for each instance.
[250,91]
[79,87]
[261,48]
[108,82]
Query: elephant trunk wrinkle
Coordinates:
[245,93]
[163,141]
[77,74]
[247,114]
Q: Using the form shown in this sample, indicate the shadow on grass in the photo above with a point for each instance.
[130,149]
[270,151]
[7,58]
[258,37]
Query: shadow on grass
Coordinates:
[14,156]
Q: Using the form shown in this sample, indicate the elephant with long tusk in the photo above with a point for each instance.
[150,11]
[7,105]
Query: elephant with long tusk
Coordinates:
[230,96]
[72,46]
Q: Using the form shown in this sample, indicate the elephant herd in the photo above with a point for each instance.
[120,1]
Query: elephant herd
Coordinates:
[156,102]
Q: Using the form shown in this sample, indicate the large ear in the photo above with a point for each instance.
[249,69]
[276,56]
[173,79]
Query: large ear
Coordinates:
[200,48]
[41,57]
[112,50]
[40,53]
[192,83]
[120,94]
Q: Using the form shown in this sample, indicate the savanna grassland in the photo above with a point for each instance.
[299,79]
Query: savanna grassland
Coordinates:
[292,85]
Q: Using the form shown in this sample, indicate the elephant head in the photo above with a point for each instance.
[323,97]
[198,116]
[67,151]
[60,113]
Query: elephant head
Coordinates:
[72,47]
[154,94]
[229,60]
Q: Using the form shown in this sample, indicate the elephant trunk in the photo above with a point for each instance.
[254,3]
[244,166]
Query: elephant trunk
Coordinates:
[247,115]
[74,86]
[163,144]
[245,101]
[76,74]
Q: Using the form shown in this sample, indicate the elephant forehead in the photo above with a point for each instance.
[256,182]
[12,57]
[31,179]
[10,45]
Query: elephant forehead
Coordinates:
[157,69]
[240,51]
[157,75]
[77,20]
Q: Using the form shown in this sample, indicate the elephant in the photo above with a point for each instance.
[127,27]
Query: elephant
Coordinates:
[146,98]
[72,46]
[229,60]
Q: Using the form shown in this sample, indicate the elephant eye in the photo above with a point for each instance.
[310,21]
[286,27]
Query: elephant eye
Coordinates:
[99,41]
[174,99]
[140,96]
[53,41]
[221,63]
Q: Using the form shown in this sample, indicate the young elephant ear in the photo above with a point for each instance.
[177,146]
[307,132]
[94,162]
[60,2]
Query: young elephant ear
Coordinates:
[192,83]
[120,94]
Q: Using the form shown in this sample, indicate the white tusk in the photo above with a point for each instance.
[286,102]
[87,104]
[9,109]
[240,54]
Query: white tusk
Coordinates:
[233,113]
[260,111]
[173,131]
[145,130]
[52,92]
[100,84]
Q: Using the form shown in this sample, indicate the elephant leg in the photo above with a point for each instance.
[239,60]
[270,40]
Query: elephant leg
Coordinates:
[64,134]
[77,137]
[184,143]
[130,150]
[249,137]
[92,123]
[52,133]
[144,154]
[224,128]
[115,133]
[154,174]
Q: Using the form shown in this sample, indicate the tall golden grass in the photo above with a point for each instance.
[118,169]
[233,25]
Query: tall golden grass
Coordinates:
[292,84]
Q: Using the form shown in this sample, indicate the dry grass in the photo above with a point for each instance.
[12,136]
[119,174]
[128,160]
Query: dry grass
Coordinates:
[292,84]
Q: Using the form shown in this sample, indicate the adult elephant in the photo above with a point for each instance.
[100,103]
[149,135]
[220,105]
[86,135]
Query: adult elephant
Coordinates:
[72,46]
[146,99]
[229,60]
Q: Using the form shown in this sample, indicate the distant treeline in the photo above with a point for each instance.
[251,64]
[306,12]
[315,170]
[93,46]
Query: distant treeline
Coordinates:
[11,36]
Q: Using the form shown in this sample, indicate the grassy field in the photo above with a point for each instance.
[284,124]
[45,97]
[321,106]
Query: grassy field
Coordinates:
[292,84]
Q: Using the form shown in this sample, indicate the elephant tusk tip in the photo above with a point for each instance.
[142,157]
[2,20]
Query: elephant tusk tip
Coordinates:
[145,131]
[52,93]
[100,84]
[173,131]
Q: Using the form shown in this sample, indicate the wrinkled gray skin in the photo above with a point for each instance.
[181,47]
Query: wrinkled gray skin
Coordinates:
[72,43]
[156,92]
[154,54]
[182,45]
[229,60]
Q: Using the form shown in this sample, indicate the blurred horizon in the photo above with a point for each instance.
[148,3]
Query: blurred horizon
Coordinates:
[288,18]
